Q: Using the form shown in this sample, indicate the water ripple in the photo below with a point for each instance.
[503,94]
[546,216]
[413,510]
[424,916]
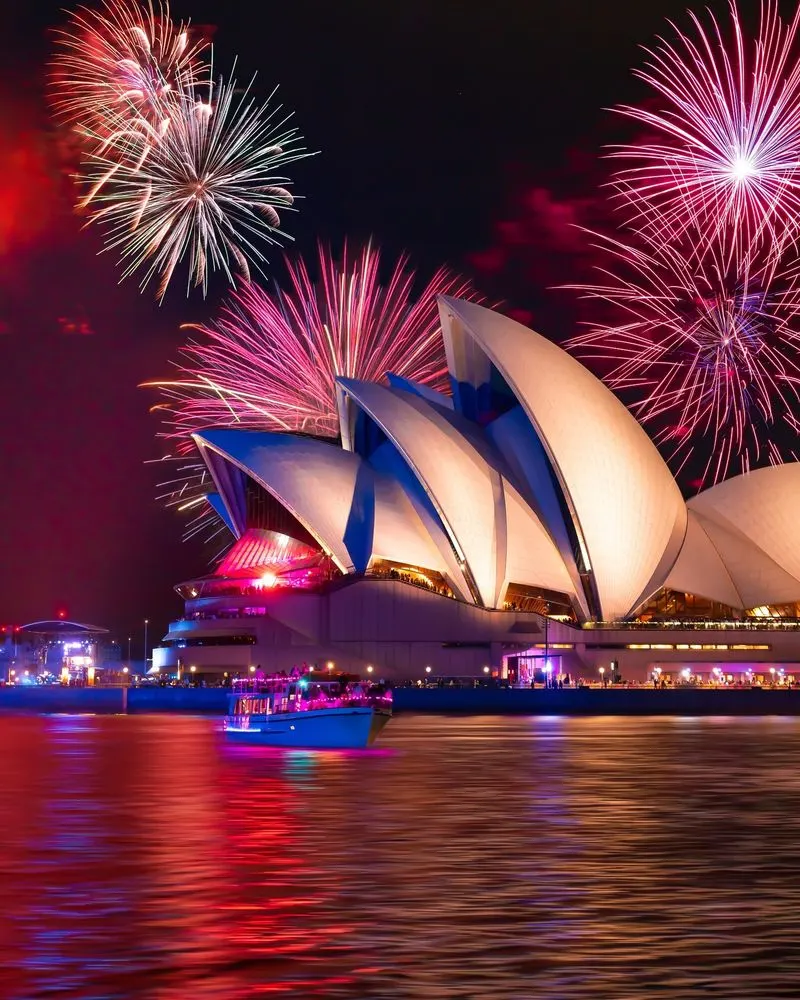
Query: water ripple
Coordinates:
[501,859]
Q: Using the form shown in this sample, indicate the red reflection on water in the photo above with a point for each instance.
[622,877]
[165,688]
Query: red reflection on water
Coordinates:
[138,850]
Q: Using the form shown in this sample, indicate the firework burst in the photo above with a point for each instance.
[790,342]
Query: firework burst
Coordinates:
[207,189]
[723,152]
[125,59]
[270,361]
[706,350]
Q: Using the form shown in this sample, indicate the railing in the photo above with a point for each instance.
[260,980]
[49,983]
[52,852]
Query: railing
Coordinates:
[698,625]
[375,573]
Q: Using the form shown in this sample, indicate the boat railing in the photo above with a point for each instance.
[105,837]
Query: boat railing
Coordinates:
[276,702]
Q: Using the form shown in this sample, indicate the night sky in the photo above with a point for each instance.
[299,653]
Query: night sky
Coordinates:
[465,133]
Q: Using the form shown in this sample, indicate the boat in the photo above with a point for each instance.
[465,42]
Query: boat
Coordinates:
[301,711]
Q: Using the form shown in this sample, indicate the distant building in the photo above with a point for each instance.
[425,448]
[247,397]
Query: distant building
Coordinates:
[58,648]
[526,518]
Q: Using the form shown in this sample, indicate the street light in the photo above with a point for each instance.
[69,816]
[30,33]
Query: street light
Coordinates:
[146,623]
[602,671]
[129,649]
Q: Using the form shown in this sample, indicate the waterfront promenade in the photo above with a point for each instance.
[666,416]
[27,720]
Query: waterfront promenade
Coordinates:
[586,701]
[40,699]
[688,701]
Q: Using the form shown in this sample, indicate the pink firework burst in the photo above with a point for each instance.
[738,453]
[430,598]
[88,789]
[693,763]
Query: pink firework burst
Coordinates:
[705,349]
[270,361]
[126,59]
[722,152]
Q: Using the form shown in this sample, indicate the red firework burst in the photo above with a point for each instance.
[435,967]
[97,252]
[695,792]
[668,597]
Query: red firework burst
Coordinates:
[271,360]
[723,148]
[124,59]
[705,348]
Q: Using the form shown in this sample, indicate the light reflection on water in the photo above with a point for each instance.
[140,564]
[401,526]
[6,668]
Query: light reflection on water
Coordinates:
[483,858]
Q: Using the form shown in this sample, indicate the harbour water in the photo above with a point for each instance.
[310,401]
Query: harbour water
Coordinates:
[488,857]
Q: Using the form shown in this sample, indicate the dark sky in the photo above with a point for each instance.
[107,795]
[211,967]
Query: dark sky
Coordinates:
[463,132]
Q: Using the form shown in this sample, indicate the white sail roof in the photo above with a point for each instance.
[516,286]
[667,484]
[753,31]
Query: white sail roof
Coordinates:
[625,504]
[752,520]
[463,487]
[325,488]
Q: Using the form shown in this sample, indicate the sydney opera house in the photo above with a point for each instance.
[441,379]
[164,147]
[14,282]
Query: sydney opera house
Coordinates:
[525,522]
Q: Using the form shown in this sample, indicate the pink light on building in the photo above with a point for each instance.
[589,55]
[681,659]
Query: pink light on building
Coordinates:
[258,553]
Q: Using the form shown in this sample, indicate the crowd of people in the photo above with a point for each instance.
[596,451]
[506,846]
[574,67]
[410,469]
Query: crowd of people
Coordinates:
[416,580]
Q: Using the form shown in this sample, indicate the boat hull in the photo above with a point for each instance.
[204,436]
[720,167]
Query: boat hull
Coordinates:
[321,729]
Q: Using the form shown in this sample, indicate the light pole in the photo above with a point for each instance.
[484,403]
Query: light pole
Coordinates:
[129,650]
[546,624]
[146,623]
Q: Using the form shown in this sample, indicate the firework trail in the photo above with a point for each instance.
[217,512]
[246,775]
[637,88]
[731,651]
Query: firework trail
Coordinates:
[706,349]
[124,60]
[271,360]
[722,153]
[207,189]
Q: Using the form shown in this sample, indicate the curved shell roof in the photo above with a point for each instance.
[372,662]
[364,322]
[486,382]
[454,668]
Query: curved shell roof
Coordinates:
[700,570]
[325,488]
[519,483]
[624,501]
[753,522]
[463,487]
[313,479]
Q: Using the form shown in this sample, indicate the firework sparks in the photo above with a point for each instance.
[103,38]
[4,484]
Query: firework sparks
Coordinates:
[726,153]
[270,362]
[208,189]
[708,351]
[123,59]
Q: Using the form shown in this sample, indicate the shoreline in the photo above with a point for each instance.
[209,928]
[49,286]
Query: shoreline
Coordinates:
[686,701]
[683,701]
